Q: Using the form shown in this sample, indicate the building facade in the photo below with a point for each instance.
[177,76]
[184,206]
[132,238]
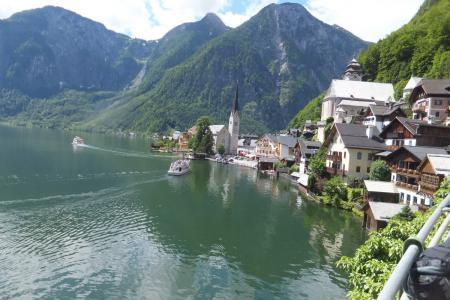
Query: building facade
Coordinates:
[430,100]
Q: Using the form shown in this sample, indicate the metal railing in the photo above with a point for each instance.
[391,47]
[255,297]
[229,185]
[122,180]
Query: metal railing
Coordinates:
[413,248]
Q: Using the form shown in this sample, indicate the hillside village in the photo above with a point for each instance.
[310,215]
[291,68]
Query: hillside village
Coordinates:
[361,125]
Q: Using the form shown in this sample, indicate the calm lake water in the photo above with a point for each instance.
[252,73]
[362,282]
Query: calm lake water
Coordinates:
[106,222]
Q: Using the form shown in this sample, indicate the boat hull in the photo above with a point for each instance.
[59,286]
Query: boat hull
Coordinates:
[176,173]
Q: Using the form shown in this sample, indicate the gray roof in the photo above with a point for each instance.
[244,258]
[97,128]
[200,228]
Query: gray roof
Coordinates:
[309,147]
[413,126]
[354,136]
[421,152]
[375,186]
[287,140]
[383,110]
[348,89]
[383,211]
[440,163]
[435,86]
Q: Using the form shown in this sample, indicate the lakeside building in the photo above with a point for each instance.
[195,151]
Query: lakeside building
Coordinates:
[348,97]
[402,131]
[381,191]
[406,163]
[351,149]
[382,115]
[303,151]
[430,100]
[281,147]
[220,137]
[378,214]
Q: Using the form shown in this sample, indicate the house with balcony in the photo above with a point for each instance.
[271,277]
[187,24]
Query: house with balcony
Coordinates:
[430,100]
[280,147]
[382,115]
[406,132]
[351,149]
[406,174]
[433,169]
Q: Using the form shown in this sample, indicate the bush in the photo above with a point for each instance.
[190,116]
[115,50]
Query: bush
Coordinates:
[294,168]
[335,191]
[221,149]
[370,266]
[379,170]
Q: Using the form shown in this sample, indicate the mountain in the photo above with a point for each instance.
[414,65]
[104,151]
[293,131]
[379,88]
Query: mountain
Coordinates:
[421,47]
[44,51]
[281,57]
[60,69]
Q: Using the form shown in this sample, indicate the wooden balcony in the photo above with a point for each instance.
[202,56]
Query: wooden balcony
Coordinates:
[411,187]
[427,187]
[334,171]
[406,172]
[419,108]
[334,157]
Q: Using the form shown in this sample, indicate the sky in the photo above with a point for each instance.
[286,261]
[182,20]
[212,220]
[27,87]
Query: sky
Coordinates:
[370,20]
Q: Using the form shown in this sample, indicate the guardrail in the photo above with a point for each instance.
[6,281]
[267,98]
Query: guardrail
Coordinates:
[413,248]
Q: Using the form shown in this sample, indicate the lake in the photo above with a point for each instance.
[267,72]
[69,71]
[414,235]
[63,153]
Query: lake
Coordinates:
[106,222]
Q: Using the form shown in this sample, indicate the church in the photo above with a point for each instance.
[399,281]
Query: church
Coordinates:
[228,137]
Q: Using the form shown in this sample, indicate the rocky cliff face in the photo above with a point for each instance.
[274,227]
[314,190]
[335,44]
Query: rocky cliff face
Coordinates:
[44,51]
[282,57]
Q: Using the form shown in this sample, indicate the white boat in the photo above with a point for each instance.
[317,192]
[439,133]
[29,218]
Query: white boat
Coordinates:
[77,141]
[179,167]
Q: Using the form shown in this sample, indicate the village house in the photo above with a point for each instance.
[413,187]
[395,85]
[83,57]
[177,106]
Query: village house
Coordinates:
[351,149]
[280,147]
[433,169]
[405,172]
[266,146]
[303,151]
[382,115]
[430,100]
[220,136]
[402,131]
[381,191]
[378,214]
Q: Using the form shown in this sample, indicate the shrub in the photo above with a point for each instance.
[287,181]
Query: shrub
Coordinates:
[379,170]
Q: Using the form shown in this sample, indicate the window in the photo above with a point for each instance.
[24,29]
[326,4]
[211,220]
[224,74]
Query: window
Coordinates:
[345,154]
[437,102]
[437,114]
[414,200]
[408,197]
[359,155]
[370,156]
[402,196]
[358,169]
[368,169]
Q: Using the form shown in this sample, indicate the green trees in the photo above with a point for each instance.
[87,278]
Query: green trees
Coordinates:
[370,266]
[311,111]
[317,164]
[203,140]
[335,191]
[221,149]
[379,170]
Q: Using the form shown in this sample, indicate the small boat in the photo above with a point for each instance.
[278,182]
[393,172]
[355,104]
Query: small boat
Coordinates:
[179,167]
[77,141]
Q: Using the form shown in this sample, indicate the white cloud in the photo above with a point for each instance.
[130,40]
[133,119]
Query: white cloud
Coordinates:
[233,19]
[370,20]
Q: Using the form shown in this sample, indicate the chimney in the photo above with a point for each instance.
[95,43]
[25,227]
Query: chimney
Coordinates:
[369,131]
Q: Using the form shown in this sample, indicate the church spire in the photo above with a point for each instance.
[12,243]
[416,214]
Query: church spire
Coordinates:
[235,107]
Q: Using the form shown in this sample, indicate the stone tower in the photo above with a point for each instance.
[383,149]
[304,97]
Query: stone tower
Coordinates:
[233,124]
[353,71]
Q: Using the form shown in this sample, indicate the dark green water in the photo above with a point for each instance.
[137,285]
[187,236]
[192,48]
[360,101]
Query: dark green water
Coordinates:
[106,222]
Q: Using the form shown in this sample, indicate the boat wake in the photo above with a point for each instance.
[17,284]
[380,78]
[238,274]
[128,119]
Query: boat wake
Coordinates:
[123,153]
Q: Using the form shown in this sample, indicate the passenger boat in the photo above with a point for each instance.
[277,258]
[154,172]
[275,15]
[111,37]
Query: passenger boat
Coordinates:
[179,167]
[77,141]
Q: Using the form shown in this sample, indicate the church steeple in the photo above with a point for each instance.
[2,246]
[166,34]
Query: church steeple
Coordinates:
[353,71]
[235,107]
[233,124]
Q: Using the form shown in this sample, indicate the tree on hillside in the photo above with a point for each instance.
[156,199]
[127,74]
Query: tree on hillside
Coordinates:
[203,140]
[316,164]
[379,170]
